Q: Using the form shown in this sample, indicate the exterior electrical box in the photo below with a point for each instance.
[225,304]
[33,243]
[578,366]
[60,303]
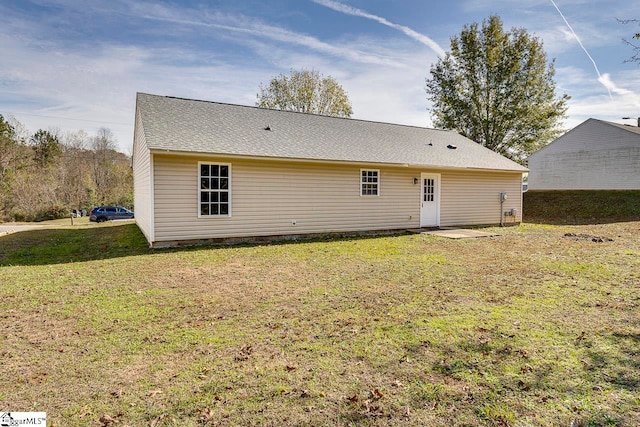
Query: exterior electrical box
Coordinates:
[511,212]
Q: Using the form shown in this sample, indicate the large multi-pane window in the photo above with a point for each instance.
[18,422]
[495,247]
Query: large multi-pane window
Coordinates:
[369,182]
[215,189]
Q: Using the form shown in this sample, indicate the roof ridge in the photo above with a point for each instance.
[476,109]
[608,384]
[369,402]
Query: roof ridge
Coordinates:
[624,126]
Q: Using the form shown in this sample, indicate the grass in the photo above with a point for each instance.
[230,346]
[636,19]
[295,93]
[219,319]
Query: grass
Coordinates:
[530,328]
[581,206]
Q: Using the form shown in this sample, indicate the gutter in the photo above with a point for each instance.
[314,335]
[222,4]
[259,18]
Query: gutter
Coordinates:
[325,161]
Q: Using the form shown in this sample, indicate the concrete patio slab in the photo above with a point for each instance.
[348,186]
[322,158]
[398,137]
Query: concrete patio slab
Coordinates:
[457,233]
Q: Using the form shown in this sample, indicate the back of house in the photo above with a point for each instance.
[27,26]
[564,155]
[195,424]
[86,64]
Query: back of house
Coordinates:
[207,170]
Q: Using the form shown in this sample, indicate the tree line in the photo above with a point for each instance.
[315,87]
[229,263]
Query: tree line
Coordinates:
[47,174]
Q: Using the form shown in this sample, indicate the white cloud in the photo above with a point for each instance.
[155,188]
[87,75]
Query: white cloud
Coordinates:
[606,81]
[253,29]
[591,102]
[95,87]
[93,83]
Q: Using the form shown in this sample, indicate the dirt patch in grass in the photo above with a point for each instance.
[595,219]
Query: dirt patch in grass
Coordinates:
[528,328]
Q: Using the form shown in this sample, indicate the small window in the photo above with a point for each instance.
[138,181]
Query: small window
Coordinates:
[428,190]
[214,198]
[369,182]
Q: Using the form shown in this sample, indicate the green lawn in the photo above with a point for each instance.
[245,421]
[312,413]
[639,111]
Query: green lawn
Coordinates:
[530,328]
[582,206]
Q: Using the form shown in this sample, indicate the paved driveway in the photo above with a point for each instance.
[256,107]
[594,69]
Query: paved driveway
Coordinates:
[13,228]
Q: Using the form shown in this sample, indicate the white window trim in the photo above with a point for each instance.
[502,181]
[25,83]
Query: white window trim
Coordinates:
[200,192]
[378,183]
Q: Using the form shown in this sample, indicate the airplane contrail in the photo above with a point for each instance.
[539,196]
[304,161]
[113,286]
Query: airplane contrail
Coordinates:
[601,79]
[349,10]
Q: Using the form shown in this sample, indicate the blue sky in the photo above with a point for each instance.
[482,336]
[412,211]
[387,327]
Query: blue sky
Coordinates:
[77,64]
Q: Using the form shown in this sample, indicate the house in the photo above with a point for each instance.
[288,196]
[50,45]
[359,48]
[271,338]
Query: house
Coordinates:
[595,155]
[207,170]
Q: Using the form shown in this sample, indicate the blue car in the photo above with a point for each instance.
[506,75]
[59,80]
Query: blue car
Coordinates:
[106,213]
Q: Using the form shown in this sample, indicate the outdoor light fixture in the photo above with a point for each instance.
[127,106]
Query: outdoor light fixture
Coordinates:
[415,181]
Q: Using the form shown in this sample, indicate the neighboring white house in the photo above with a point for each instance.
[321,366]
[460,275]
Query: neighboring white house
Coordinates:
[206,170]
[595,155]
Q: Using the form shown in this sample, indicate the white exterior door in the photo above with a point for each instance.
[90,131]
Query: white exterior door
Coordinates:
[429,200]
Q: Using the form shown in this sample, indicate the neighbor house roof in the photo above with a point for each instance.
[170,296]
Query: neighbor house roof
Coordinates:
[593,135]
[191,126]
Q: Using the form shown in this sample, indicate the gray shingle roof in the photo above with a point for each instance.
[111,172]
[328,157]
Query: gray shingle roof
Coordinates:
[628,128]
[183,125]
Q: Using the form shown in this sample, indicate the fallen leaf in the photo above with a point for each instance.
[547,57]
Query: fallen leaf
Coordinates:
[526,368]
[243,353]
[153,393]
[374,410]
[206,415]
[377,394]
[353,398]
[290,368]
[106,420]
[84,411]
[155,421]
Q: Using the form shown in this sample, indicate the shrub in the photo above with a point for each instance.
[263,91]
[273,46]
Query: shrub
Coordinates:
[53,212]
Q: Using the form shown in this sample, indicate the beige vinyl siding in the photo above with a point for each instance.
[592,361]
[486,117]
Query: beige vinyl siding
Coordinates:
[473,198]
[142,182]
[266,196]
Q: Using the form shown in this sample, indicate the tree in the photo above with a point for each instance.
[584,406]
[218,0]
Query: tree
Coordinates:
[495,88]
[112,173]
[74,176]
[13,151]
[7,145]
[635,47]
[36,184]
[46,147]
[306,92]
